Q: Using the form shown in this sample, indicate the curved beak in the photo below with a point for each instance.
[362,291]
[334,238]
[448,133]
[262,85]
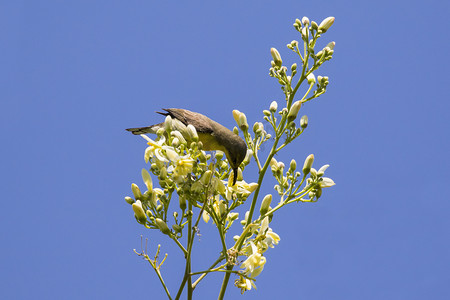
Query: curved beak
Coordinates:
[235,175]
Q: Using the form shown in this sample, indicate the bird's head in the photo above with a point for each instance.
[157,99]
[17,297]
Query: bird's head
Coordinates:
[235,156]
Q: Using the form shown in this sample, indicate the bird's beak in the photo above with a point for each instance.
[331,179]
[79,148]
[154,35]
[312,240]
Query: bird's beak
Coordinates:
[235,175]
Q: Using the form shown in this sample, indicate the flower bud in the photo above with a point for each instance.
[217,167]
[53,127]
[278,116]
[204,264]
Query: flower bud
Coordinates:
[326,24]
[266,113]
[331,45]
[311,78]
[256,127]
[319,79]
[206,178]
[147,179]
[182,202]
[265,204]
[314,25]
[293,165]
[129,200]
[294,111]
[175,142]
[235,130]
[192,133]
[136,192]
[248,157]
[294,67]
[273,106]
[276,57]
[236,115]
[273,164]
[176,228]
[313,172]
[304,121]
[160,131]
[222,208]
[162,173]
[219,154]
[318,192]
[308,164]
[305,21]
[202,157]
[298,22]
[233,216]
[162,226]
[243,122]
[319,54]
[139,211]
[272,72]
[179,136]
[168,124]
[304,32]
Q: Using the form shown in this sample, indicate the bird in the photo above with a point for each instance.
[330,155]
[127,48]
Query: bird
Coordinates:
[213,135]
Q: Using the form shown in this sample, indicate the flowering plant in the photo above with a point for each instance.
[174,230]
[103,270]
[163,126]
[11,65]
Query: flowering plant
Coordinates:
[204,184]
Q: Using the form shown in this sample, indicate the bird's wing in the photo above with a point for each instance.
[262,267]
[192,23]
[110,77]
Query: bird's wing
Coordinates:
[201,123]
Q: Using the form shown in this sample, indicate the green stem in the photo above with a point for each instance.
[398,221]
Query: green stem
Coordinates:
[187,270]
[180,245]
[205,273]
[279,133]
[222,239]
[226,278]
[162,282]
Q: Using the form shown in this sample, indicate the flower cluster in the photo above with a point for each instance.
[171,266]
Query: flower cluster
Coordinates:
[204,183]
[182,168]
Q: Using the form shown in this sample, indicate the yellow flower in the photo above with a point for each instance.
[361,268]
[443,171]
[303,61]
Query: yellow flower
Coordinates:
[244,284]
[155,148]
[271,238]
[205,216]
[184,165]
[254,264]
[241,188]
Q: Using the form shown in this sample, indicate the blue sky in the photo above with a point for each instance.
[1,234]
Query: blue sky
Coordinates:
[75,74]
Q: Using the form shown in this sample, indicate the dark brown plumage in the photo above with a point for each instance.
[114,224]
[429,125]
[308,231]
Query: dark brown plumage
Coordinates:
[213,135]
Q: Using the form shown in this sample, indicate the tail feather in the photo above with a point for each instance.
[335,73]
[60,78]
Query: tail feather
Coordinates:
[142,130]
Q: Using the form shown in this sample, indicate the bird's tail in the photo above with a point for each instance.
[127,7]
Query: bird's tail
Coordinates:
[143,130]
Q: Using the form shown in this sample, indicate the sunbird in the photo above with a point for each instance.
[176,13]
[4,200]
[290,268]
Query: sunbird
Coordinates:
[213,135]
